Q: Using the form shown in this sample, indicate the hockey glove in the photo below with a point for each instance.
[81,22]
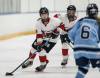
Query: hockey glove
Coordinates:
[54,35]
[48,35]
[39,44]
[65,38]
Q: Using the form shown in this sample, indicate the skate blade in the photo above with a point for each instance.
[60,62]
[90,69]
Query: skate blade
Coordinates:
[38,71]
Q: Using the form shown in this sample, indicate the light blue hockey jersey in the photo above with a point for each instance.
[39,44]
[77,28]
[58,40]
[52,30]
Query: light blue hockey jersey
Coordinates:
[85,38]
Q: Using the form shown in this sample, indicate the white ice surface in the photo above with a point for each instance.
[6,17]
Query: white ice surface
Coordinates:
[15,51]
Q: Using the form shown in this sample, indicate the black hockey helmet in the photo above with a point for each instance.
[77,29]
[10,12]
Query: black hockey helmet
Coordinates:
[43,10]
[71,7]
[92,10]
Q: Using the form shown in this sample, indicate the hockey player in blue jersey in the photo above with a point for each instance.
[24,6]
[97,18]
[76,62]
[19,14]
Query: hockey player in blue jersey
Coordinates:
[85,37]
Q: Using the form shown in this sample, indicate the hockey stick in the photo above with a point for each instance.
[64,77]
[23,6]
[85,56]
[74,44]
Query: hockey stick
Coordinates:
[11,73]
[70,44]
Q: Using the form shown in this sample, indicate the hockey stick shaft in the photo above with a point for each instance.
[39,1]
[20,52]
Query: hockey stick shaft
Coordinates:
[70,44]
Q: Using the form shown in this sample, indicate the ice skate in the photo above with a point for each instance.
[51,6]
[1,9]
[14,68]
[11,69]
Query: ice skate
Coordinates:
[41,67]
[27,64]
[64,62]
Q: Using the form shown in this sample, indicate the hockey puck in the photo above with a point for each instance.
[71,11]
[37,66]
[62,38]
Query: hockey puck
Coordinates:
[8,74]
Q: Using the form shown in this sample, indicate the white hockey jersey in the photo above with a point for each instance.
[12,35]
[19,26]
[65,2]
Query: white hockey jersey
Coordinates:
[64,18]
[54,25]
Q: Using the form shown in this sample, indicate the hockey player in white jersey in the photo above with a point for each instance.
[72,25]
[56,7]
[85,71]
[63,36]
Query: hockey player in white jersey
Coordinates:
[85,36]
[46,37]
[69,19]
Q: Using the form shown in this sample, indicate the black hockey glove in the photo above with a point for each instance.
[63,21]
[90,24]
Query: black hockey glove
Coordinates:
[65,38]
[39,45]
[48,35]
[54,35]
[39,48]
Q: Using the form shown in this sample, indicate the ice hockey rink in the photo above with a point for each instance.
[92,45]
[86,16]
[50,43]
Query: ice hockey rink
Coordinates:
[18,16]
[15,51]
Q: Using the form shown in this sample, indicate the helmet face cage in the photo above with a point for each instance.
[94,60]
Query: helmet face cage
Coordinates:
[43,10]
[71,7]
[92,10]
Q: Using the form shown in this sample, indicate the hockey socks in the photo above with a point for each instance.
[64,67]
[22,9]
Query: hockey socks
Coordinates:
[65,56]
[80,75]
[65,52]
[82,71]
[32,56]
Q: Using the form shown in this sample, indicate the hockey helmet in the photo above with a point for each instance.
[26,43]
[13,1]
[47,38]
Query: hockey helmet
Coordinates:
[71,7]
[92,10]
[43,10]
